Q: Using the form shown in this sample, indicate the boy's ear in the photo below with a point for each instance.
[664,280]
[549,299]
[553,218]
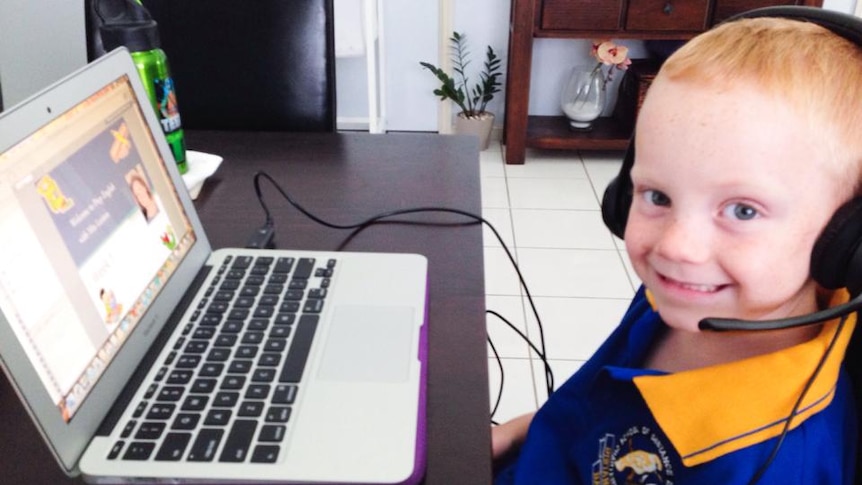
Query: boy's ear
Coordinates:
[836,260]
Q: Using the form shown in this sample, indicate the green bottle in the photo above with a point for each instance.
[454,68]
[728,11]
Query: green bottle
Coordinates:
[132,26]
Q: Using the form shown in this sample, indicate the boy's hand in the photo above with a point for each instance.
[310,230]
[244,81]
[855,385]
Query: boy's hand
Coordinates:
[507,437]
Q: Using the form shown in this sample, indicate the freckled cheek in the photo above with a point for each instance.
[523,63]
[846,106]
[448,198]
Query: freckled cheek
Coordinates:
[772,268]
[640,241]
[640,237]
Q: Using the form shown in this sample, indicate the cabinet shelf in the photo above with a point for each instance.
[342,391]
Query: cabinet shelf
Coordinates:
[553,132]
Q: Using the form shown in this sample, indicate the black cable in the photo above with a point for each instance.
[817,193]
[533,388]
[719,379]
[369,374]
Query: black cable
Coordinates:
[387,215]
[549,374]
[502,380]
[759,474]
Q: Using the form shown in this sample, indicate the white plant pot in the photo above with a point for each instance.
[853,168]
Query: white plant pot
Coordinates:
[479,126]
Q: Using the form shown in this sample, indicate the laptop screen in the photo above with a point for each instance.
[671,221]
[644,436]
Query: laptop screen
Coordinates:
[91,229]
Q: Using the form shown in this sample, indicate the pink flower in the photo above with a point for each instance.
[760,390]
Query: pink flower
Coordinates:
[611,54]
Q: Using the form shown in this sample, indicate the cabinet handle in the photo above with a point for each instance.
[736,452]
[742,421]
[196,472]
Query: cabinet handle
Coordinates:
[668,8]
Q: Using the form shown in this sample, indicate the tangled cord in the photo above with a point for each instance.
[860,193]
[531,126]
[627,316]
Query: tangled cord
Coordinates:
[386,218]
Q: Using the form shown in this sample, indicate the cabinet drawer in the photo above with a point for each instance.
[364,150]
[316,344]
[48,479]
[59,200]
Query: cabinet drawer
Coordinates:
[581,15]
[725,9]
[665,15]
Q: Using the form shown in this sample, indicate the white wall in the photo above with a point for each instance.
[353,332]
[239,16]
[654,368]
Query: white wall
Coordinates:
[410,34]
[40,42]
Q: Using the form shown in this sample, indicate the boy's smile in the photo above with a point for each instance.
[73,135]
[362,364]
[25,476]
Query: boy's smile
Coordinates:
[731,190]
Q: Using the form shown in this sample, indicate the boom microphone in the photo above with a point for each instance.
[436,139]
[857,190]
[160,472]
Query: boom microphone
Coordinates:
[724,324]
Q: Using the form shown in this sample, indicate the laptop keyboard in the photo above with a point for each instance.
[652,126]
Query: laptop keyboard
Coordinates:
[226,391]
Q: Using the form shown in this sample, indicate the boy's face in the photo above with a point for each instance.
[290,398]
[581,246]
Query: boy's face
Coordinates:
[730,194]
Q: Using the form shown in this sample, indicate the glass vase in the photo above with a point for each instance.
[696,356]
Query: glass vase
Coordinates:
[583,97]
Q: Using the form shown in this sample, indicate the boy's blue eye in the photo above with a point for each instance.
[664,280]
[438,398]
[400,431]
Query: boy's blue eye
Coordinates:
[655,197]
[741,212]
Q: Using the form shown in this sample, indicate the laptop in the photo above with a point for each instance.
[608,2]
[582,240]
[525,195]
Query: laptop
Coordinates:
[143,355]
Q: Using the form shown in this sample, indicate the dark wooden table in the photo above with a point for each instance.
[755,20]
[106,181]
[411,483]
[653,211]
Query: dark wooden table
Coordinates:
[347,178]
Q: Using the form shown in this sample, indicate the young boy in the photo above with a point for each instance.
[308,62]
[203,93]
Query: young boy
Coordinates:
[746,145]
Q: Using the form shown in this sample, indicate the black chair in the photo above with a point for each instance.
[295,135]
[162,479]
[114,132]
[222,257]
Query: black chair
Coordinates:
[262,65]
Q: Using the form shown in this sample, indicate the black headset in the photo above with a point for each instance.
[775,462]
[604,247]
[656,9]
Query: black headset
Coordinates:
[836,260]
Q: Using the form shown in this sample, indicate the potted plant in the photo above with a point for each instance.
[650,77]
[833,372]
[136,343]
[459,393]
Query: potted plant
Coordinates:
[473,118]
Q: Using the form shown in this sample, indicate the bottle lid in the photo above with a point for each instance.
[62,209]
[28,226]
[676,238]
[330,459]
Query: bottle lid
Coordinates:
[141,35]
[127,23]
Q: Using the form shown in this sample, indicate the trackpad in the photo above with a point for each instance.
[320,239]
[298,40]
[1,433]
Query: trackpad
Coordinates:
[369,343]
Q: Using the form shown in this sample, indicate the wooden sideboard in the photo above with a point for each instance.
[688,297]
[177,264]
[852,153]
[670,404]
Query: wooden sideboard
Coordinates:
[592,19]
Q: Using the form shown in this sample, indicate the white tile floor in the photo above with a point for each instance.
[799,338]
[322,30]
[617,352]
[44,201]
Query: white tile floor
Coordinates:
[547,212]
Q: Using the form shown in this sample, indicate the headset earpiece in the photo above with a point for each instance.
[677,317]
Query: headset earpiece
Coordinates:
[617,199]
[836,260]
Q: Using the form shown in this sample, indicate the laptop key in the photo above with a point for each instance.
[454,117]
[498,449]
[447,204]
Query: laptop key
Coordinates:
[188,361]
[170,394]
[313,305]
[173,446]
[127,430]
[263,375]
[206,444]
[218,354]
[225,340]
[240,367]
[269,360]
[116,450]
[233,382]
[246,352]
[218,417]
[203,386]
[277,278]
[285,318]
[283,265]
[161,411]
[278,414]
[255,280]
[257,391]
[195,403]
[238,442]
[250,409]
[294,364]
[150,430]
[139,451]
[139,411]
[186,421]
[180,377]
[275,345]
[304,268]
[271,433]
[242,262]
[265,454]
[264,260]
[252,337]
[284,394]
[226,399]
[203,333]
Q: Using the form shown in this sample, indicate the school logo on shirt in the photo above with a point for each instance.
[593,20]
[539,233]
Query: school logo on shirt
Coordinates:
[637,457]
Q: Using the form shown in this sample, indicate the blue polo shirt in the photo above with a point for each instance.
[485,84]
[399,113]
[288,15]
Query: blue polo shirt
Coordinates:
[615,423]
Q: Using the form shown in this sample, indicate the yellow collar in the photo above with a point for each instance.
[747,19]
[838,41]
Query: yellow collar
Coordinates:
[712,411]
